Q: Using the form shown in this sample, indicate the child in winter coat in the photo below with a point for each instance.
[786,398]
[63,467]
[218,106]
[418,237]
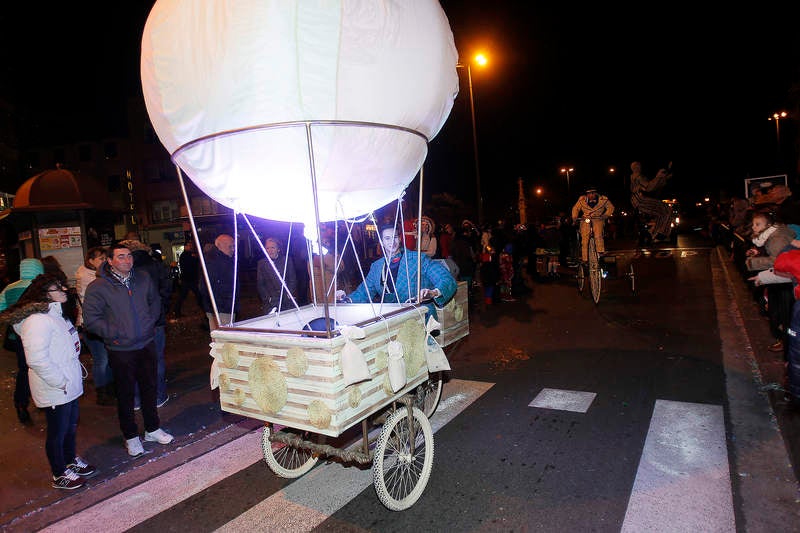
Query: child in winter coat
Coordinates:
[52,350]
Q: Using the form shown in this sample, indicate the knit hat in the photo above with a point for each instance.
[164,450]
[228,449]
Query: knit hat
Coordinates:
[30,268]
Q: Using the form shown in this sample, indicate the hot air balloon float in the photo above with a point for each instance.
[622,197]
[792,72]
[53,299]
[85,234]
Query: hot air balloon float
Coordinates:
[315,112]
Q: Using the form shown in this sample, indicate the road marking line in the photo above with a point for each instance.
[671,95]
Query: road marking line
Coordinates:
[125,510]
[564,400]
[683,480]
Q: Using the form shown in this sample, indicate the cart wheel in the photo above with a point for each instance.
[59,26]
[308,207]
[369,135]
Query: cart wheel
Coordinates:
[401,466]
[632,278]
[581,277]
[429,394]
[286,461]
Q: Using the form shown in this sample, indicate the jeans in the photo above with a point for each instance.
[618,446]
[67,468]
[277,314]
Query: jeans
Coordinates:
[793,352]
[62,427]
[161,368]
[101,371]
[132,368]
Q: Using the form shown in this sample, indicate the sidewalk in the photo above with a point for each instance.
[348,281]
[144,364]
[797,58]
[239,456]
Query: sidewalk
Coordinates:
[192,415]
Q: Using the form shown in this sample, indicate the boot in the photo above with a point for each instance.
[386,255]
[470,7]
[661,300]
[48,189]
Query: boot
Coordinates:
[24,416]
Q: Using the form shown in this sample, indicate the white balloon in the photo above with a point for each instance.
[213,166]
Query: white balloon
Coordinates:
[218,76]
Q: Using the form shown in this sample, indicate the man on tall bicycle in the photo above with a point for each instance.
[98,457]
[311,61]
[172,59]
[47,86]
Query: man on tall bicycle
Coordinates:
[596,208]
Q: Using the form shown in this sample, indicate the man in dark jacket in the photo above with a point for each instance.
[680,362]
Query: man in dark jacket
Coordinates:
[159,272]
[122,307]
[268,281]
[221,268]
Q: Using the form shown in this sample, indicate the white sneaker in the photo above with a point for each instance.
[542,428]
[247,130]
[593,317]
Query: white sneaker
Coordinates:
[160,436]
[134,447]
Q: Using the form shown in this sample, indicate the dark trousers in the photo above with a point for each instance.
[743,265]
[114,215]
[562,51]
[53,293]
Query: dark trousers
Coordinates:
[132,368]
[22,388]
[161,366]
[779,307]
[62,427]
[185,287]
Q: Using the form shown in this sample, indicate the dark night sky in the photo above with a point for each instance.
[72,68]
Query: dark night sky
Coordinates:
[588,87]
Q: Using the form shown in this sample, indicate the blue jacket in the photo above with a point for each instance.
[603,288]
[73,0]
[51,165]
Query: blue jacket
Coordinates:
[124,318]
[434,276]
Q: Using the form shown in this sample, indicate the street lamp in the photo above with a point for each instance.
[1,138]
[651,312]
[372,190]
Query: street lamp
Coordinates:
[567,170]
[480,60]
[777,118]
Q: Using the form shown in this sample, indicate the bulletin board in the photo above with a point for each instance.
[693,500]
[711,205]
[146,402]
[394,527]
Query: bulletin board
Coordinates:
[66,245]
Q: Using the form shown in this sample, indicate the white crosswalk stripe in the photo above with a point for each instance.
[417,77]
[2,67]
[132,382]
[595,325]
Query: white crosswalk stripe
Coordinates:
[683,479]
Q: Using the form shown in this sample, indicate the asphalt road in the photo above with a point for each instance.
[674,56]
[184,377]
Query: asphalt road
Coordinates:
[670,424]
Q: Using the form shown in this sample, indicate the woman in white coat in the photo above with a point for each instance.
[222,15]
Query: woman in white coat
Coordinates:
[52,350]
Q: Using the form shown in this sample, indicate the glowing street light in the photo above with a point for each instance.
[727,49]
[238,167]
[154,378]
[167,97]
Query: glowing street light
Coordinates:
[567,171]
[777,118]
[480,60]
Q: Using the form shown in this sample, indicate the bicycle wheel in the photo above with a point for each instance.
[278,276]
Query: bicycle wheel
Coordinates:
[286,461]
[403,463]
[581,277]
[595,273]
[429,394]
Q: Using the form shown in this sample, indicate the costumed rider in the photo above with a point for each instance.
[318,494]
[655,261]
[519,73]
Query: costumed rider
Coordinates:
[393,278]
[645,201]
[597,208]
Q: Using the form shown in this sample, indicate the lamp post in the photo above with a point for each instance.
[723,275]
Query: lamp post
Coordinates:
[567,170]
[777,118]
[481,60]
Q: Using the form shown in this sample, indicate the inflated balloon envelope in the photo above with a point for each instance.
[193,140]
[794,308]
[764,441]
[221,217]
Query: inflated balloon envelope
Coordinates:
[258,101]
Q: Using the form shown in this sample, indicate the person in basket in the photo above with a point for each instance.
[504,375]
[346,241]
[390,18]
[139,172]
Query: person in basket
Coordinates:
[393,278]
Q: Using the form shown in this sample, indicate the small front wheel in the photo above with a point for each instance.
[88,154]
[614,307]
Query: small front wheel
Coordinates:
[287,461]
[581,277]
[403,458]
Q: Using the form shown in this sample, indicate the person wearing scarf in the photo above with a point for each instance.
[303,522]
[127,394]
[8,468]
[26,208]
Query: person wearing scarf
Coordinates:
[768,236]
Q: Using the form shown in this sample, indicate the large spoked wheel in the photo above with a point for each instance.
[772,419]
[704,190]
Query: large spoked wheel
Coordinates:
[284,460]
[429,394]
[403,458]
[595,273]
[632,278]
[581,277]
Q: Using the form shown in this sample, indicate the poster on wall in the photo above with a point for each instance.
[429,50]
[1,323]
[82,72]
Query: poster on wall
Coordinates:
[763,182]
[66,245]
